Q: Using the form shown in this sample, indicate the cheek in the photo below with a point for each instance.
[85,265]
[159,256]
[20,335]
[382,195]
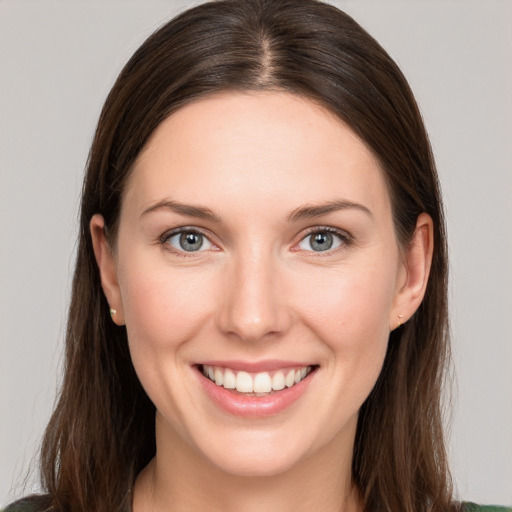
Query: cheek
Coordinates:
[349,311]
[348,302]
[162,308]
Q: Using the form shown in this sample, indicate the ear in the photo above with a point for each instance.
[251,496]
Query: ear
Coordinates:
[413,276]
[107,266]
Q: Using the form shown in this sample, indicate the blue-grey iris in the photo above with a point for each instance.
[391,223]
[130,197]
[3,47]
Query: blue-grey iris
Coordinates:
[322,241]
[190,241]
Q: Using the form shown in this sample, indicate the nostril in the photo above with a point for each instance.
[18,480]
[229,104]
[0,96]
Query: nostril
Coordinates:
[272,320]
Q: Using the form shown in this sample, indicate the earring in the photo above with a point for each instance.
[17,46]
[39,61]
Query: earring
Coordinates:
[399,321]
[112,312]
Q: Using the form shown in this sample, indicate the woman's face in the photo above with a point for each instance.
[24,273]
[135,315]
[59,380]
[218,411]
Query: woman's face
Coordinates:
[256,246]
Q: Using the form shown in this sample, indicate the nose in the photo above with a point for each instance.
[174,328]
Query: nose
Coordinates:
[254,302]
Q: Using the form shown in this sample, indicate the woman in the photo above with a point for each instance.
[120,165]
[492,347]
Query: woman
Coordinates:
[261,279]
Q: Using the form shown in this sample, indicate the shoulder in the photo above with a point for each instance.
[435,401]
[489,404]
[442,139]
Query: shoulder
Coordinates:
[473,507]
[30,504]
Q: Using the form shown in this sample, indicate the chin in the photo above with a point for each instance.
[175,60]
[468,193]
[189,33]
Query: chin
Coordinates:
[248,451]
[257,464]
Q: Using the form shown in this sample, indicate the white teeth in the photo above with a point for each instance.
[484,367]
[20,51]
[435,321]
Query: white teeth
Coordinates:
[262,382]
[244,383]
[229,379]
[219,377]
[278,381]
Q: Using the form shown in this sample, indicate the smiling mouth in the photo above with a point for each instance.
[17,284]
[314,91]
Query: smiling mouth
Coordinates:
[255,384]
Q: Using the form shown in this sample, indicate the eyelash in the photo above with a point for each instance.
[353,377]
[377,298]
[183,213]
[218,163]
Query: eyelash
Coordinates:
[344,238]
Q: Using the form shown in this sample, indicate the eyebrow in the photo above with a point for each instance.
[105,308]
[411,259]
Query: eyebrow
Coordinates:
[199,212]
[303,212]
[312,211]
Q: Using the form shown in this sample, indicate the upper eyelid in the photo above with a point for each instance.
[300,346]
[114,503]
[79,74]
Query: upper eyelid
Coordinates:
[318,229]
[183,229]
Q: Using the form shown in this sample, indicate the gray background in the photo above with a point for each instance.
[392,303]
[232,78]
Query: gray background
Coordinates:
[57,62]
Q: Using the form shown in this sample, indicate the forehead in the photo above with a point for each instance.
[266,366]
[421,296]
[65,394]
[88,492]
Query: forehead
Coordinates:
[259,147]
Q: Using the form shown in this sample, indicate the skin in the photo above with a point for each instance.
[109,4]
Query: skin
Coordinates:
[257,291]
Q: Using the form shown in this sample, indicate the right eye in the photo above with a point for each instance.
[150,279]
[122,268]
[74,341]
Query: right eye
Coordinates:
[324,239]
[188,240]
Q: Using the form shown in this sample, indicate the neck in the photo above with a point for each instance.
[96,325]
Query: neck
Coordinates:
[179,479]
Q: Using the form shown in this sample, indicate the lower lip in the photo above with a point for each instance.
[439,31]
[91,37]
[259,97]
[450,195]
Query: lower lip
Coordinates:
[254,406]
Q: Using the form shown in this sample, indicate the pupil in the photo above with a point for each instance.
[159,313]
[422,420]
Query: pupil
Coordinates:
[322,242]
[191,241]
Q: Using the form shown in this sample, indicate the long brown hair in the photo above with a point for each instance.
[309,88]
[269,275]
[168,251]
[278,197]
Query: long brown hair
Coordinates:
[102,431]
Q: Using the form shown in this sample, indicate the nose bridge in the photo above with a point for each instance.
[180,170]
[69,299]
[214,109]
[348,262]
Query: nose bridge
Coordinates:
[253,306]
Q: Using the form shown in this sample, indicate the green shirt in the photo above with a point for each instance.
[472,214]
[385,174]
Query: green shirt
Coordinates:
[473,507]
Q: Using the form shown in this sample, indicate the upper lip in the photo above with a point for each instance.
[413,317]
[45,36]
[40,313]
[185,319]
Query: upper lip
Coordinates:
[255,366]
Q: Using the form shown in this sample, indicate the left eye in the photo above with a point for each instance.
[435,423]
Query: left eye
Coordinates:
[189,241]
[320,241]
